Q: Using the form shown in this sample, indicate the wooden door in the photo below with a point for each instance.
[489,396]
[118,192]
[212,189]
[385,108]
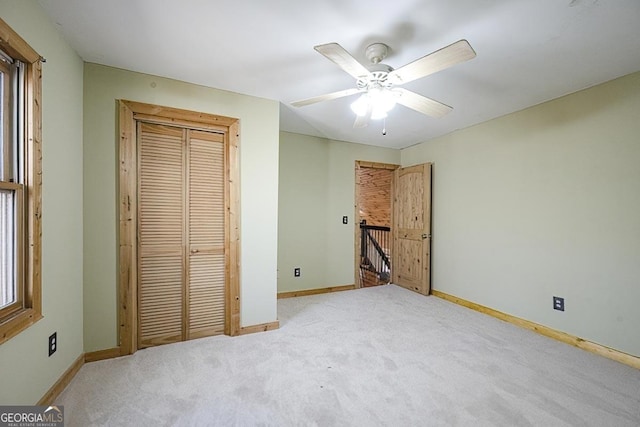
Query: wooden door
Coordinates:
[412,228]
[181,240]
[160,234]
[206,235]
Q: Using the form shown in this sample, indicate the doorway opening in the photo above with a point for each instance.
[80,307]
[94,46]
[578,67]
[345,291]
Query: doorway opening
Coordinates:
[373,200]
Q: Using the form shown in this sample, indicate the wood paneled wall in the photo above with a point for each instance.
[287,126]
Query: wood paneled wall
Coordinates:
[374,198]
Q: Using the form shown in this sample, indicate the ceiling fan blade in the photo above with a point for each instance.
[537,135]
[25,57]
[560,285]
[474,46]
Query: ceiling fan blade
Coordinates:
[455,53]
[342,59]
[421,104]
[363,121]
[326,97]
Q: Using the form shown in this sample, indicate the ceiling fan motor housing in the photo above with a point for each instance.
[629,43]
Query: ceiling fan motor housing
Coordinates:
[379,72]
[375,79]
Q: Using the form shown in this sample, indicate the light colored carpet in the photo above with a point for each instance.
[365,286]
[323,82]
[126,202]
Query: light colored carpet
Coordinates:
[379,356]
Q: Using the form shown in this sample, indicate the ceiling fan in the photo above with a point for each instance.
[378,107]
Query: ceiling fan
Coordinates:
[379,82]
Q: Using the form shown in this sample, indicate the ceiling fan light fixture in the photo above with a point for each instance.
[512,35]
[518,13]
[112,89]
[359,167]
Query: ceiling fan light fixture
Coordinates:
[378,100]
[383,99]
[378,114]
[360,105]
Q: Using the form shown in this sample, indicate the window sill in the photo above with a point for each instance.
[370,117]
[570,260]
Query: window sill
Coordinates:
[18,322]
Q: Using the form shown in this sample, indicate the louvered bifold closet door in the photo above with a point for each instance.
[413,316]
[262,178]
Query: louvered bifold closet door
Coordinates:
[206,206]
[161,234]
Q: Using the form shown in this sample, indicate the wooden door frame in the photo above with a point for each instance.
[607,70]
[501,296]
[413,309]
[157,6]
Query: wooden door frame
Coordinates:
[130,113]
[359,164]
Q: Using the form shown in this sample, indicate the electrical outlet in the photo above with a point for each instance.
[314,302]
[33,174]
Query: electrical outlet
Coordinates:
[558,303]
[296,272]
[345,219]
[53,343]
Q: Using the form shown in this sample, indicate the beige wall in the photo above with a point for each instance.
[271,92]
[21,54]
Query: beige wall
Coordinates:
[317,188]
[259,123]
[545,202]
[26,371]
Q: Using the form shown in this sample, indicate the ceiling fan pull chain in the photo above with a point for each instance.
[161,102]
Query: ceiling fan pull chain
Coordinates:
[384,126]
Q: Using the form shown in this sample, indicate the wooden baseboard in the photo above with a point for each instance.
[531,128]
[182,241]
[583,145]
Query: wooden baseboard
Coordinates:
[62,382]
[259,328]
[108,353]
[598,349]
[315,291]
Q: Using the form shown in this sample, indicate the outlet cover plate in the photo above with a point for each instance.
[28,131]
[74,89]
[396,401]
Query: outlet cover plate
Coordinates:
[558,303]
[53,343]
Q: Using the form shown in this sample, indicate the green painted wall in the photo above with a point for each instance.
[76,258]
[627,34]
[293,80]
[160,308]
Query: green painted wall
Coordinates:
[545,202]
[259,124]
[317,188]
[26,371]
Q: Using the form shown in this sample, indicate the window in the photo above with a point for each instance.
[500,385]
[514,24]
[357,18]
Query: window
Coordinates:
[20,184]
[11,187]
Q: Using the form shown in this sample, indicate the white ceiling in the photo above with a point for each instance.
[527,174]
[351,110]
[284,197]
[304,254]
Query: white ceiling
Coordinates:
[528,52]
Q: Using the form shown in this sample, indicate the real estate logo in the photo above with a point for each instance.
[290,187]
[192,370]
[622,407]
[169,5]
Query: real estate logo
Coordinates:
[31,416]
